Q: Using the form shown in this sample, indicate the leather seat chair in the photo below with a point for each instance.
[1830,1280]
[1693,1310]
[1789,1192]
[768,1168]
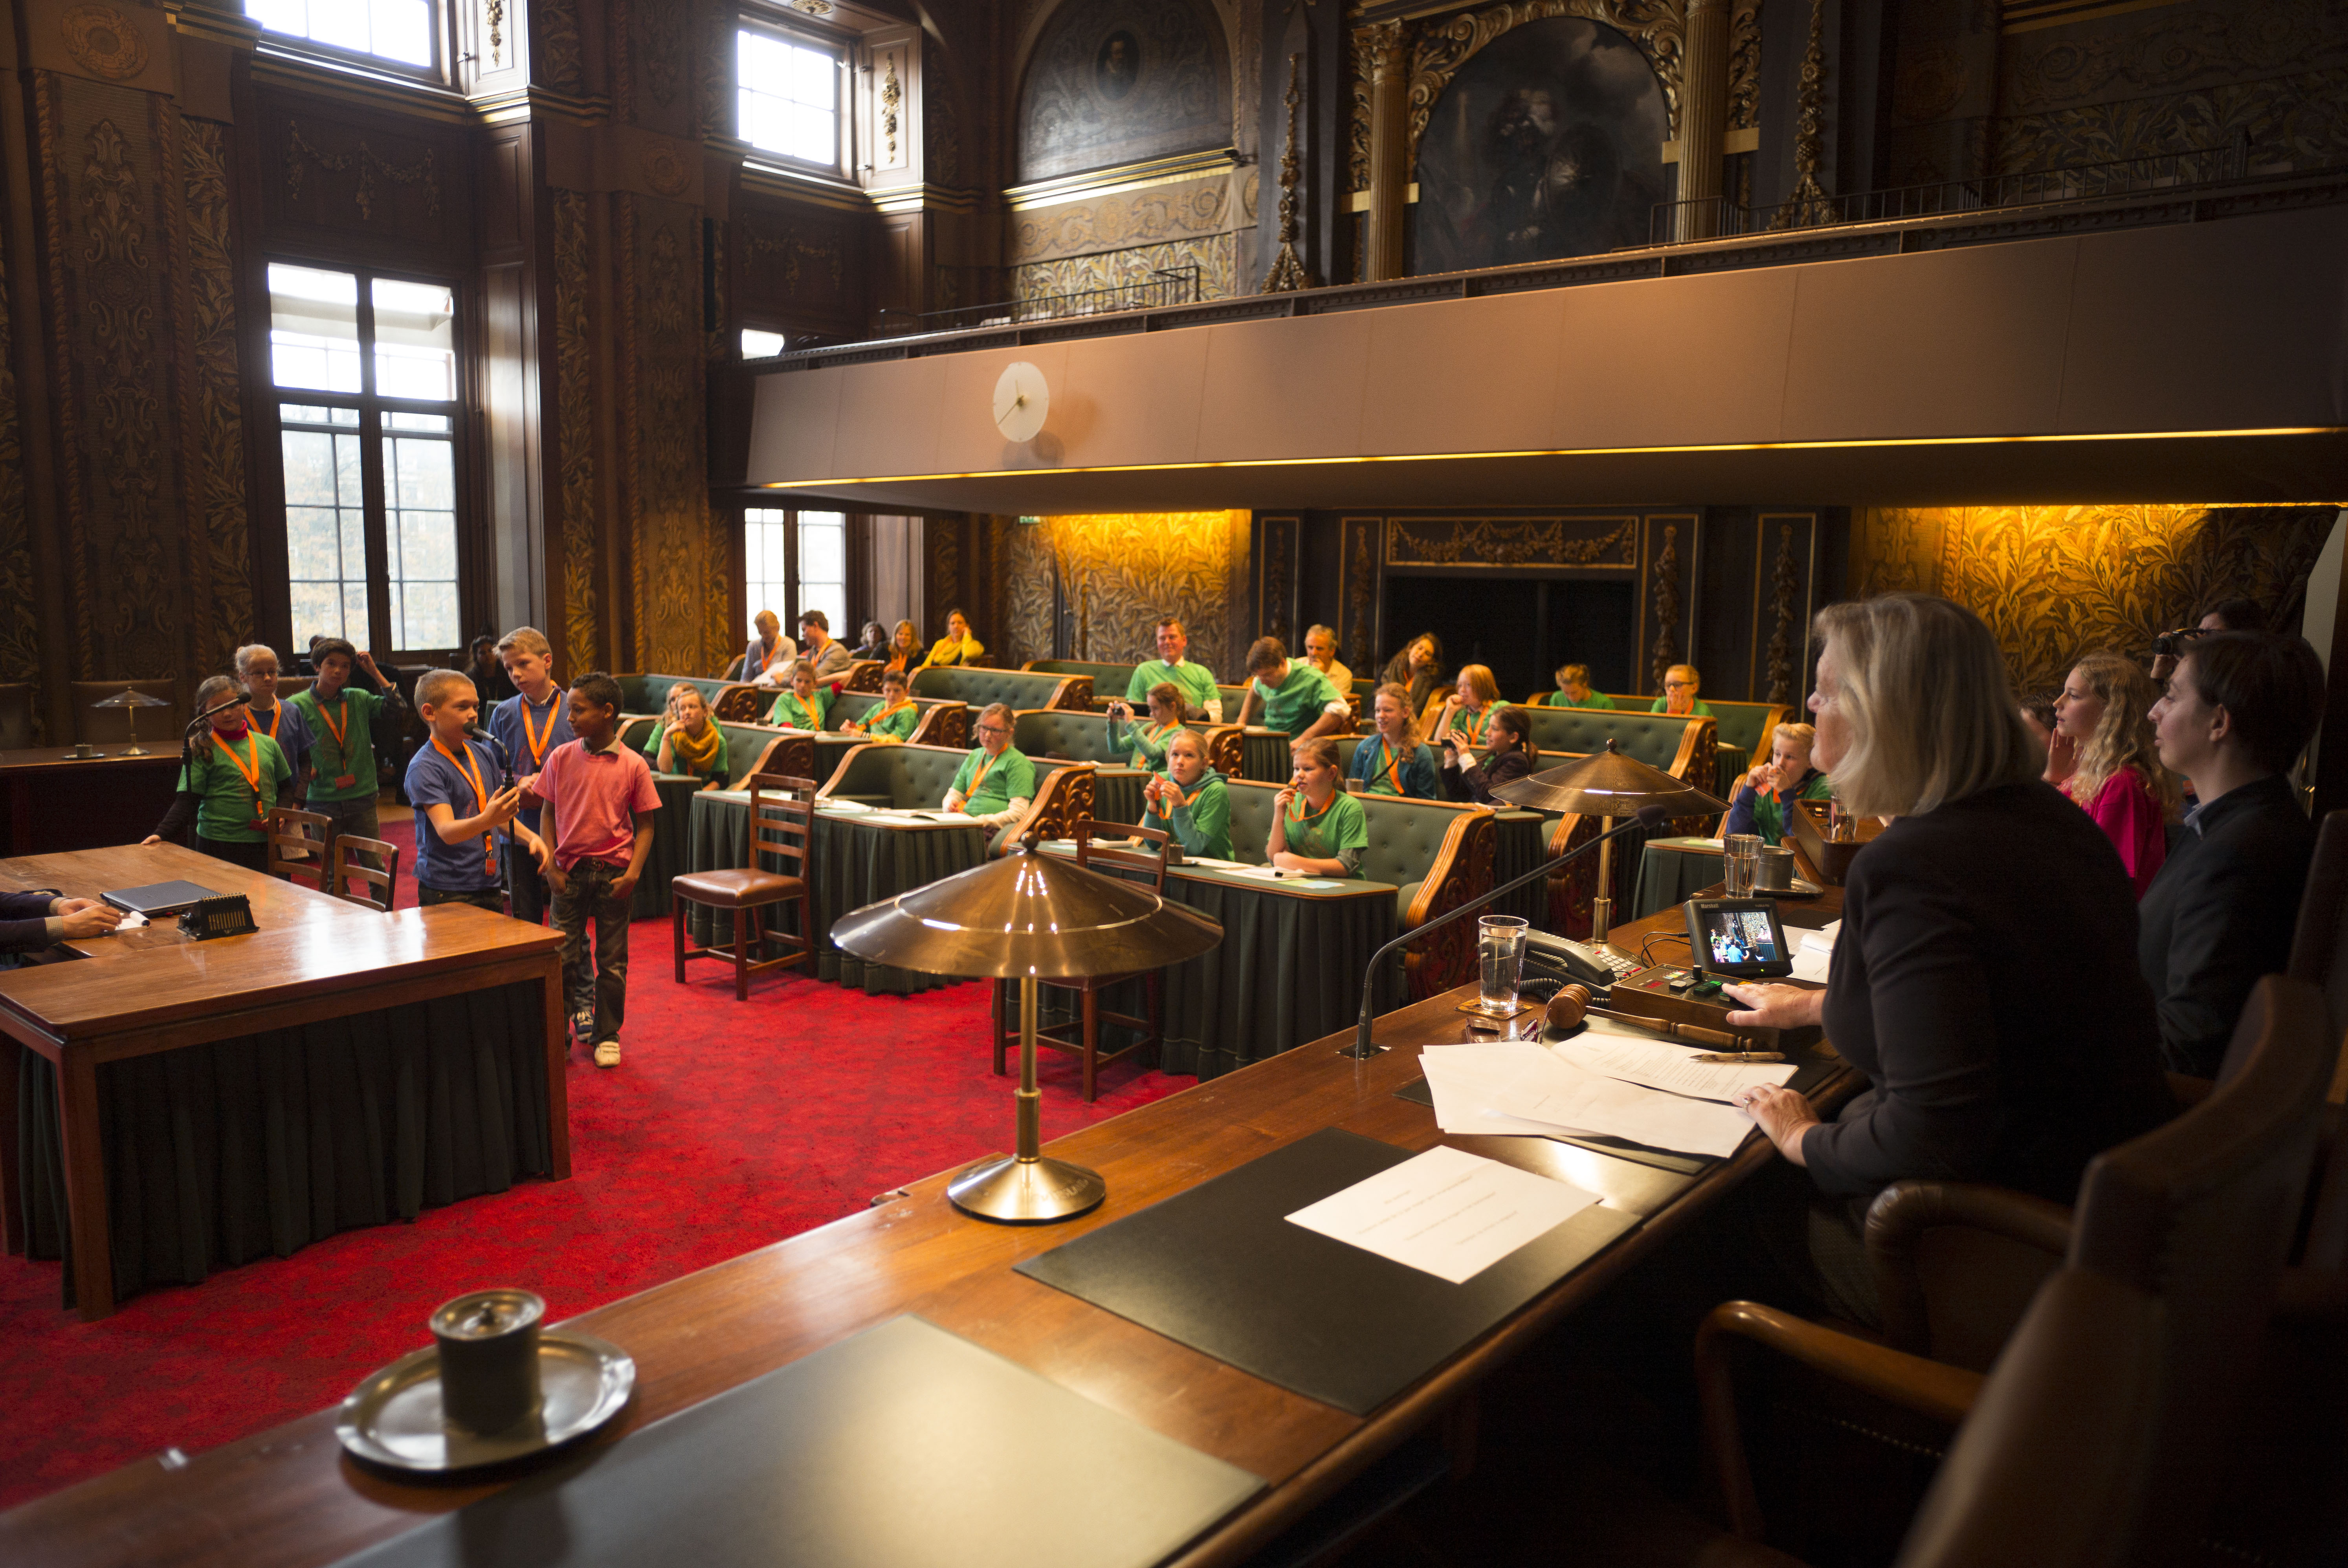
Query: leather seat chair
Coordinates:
[782,827]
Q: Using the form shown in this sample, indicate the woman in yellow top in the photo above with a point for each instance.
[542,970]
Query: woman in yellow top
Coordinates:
[905,648]
[804,706]
[1168,713]
[1468,711]
[685,742]
[896,717]
[957,646]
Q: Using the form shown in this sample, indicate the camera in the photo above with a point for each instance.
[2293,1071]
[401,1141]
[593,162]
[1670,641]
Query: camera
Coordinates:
[2169,644]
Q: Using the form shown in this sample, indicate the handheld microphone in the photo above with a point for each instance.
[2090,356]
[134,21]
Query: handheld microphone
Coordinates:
[240,700]
[1648,818]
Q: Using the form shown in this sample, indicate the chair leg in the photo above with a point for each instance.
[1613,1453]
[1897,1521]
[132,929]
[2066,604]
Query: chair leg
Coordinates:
[1153,1049]
[998,1028]
[1092,1042]
[745,922]
[807,929]
[676,909]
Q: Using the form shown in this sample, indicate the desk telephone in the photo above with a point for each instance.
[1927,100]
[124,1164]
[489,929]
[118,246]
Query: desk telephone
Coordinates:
[1566,961]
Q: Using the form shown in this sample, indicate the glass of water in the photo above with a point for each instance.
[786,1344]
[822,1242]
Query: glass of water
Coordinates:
[1741,864]
[1500,948]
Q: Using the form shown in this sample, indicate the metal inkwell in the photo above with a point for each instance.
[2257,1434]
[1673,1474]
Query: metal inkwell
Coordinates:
[492,1387]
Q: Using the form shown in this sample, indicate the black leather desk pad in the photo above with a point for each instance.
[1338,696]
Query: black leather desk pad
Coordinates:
[904,1447]
[1220,1268]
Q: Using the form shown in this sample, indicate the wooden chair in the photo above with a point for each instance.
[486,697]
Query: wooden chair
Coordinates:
[297,844]
[379,879]
[782,825]
[1085,1046]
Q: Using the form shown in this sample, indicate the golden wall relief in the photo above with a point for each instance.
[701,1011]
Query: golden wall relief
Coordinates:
[217,505]
[1116,574]
[1216,258]
[20,625]
[2055,582]
[1186,210]
[574,423]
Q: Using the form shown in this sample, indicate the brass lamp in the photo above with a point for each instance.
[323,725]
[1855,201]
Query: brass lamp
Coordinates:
[1029,918]
[132,698]
[1606,784]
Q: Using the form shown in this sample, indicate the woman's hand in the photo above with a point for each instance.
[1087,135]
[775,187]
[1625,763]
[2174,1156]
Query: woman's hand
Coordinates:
[1785,1116]
[151,838]
[1776,1007]
[2062,757]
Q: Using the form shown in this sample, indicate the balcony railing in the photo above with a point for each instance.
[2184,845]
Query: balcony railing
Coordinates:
[1165,286]
[1717,218]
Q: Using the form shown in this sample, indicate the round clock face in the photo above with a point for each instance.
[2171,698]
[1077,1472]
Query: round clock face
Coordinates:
[1021,402]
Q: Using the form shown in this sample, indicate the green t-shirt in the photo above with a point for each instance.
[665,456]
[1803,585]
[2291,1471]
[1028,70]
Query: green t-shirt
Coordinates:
[1008,778]
[1769,816]
[1145,742]
[1703,709]
[1597,699]
[1203,828]
[1196,680]
[1339,831]
[794,714]
[899,724]
[226,808]
[347,755]
[1299,700]
[718,767]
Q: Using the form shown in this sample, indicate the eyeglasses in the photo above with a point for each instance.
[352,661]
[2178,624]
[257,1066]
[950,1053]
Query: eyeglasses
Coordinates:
[993,729]
[1677,685]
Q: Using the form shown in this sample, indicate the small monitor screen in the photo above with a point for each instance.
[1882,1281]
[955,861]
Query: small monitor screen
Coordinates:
[1738,938]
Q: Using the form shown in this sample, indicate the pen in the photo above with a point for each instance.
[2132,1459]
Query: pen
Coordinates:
[1740,1056]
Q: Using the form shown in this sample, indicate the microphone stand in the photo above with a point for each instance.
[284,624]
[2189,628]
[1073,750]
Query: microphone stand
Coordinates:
[1651,816]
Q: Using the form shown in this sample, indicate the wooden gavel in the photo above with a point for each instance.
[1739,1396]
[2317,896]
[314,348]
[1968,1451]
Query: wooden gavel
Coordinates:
[1571,1004]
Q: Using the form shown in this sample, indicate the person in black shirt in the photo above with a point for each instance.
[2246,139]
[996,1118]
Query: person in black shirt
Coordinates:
[42,918]
[487,673]
[1510,738]
[2239,710]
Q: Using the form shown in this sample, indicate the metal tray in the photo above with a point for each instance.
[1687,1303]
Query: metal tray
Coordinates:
[392,1417]
[1800,889]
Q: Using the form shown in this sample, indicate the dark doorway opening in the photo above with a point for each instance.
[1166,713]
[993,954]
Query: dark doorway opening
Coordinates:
[1524,628]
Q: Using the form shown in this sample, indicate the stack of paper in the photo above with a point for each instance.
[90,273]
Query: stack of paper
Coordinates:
[1815,956]
[1446,1213]
[1523,1086]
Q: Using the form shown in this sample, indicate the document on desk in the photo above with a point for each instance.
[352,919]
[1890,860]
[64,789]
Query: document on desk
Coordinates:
[1522,1081]
[1670,1068]
[1445,1212]
[1814,956]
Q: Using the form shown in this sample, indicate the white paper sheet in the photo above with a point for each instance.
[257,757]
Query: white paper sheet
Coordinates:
[1445,1212]
[1523,1081]
[1814,957]
[1671,1068]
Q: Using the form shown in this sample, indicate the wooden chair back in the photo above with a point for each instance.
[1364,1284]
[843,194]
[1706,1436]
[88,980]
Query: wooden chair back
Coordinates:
[1106,844]
[378,879]
[297,844]
[782,820]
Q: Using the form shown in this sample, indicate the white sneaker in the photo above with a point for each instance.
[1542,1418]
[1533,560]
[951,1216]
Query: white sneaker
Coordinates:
[607,1054]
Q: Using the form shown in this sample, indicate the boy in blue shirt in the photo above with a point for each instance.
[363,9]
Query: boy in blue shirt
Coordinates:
[462,799]
[528,726]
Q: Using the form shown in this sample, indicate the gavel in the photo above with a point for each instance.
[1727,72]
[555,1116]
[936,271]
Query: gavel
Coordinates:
[1571,1004]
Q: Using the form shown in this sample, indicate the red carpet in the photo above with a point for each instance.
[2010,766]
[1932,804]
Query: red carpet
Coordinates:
[728,1126]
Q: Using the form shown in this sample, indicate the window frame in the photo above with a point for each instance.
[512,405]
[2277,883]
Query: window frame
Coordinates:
[375,500]
[792,28]
[853,585]
[439,74]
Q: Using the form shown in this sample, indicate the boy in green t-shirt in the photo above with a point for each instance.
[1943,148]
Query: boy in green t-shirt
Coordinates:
[895,719]
[1195,681]
[1294,697]
[230,778]
[341,764]
[806,705]
[1573,690]
[996,782]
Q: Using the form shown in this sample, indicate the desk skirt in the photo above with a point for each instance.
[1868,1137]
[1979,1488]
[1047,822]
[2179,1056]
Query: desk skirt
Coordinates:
[666,858]
[217,1154]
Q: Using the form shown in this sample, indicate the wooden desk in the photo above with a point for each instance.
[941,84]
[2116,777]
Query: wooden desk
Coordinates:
[57,801]
[153,990]
[288,1497]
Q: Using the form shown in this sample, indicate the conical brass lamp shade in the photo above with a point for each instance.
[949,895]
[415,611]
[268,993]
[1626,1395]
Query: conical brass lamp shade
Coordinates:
[1028,917]
[1607,784]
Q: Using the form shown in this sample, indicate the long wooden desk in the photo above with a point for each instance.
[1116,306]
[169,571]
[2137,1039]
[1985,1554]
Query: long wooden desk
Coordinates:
[57,801]
[288,1497]
[153,990]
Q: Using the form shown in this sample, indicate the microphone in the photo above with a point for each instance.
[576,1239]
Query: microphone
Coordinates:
[505,760]
[1648,818]
[241,700]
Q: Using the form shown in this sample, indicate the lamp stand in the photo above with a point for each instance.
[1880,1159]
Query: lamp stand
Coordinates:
[1025,1188]
[1602,903]
[136,750]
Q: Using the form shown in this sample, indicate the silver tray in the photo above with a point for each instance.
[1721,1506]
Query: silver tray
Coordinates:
[392,1417]
[1800,889]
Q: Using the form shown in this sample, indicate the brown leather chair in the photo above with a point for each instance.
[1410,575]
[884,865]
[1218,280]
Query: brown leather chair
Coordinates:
[2182,1235]
[1085,1047]
[298,843]
[782,825]
[157,729]
[16,716]
[377,883]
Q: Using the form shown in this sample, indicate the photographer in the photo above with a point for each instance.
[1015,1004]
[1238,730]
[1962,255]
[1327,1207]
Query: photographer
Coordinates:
[2225,615]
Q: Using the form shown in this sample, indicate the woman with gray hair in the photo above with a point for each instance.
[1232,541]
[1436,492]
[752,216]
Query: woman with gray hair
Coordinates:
[1985,979]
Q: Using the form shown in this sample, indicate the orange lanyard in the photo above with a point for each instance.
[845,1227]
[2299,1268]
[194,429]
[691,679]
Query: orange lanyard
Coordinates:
[275,714]
[1476,723]
[985,763]
[873,719]
[1296,817]
[342,702]
[538,742]
[250,770]
[471,772]
[1393,765]
[802,709]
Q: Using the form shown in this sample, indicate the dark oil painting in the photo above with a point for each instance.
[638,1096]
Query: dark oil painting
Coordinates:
[1113,82]
[1548,143]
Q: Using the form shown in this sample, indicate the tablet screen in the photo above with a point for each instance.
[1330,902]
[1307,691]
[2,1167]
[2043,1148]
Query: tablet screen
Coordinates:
[1738,937]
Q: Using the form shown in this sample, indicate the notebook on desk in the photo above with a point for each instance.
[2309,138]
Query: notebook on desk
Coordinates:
[159,897]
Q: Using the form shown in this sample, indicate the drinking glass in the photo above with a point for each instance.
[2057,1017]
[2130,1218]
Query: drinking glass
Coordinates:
[1500,949]
[1741,864]
[1840,827]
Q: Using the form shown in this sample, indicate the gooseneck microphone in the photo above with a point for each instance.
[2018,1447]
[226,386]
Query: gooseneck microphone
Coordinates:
[505,759]
[1649,817]
[241,700]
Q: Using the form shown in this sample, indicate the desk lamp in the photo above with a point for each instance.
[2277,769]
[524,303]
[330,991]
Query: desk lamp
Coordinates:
[1607,784]
[1029,918]
[133,699]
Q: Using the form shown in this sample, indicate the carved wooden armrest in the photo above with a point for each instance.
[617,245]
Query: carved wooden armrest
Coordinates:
[1928,1387]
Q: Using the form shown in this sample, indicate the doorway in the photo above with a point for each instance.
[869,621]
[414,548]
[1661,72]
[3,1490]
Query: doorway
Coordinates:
[1522,627]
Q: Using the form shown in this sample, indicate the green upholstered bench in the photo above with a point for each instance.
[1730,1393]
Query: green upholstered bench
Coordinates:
[916,778]
[649,695]
[1435,854]
[944,722]
[1018,688]
[1750,727]
[1109,681]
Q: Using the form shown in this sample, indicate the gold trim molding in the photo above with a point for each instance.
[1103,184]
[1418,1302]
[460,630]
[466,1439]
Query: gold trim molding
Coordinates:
[1124,176]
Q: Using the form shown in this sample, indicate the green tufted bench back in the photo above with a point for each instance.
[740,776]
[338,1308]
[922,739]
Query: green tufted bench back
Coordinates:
[1654,739]
[1406,837]
[1019,688]
[1081,737]
[851,705]
[1108,680]
[1747,725]
[649,693]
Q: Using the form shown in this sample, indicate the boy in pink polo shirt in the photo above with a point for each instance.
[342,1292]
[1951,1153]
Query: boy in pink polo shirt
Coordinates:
[598,794]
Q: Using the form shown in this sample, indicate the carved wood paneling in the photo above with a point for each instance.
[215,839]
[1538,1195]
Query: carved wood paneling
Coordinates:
[674,549]
[796,264]
[574,425]
[1664,584]
[1656,26]
[218,506]
[1027,600]
[364,183]
[20,627]
[1363,547]
[1508,543]
[1275,598]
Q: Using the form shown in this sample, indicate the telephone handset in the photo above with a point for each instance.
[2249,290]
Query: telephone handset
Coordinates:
[1567,961]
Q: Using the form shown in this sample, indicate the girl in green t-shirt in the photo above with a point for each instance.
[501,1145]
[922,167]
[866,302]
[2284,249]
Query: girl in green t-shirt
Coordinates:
[230,781]
[806,705]
[1316,827]
[686,742]
[1573,690]
[1191,801]
[1168,713]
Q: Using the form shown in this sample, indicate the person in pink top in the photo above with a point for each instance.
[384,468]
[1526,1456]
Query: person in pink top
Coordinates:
[598,825]
[2116,775]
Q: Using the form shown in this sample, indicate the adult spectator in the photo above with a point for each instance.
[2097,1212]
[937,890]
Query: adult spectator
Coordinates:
[1195,681]
[819,650]
[1321,652]
[766,662]
[1294,697]
[2105,713]
[1418,669]
[957,647]
[2240,709]
[873,643]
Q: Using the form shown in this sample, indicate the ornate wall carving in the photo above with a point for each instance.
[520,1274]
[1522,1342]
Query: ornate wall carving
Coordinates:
[217,504]
[1784,611]
[941,119]
[574,423]
[1666,575]
[2054,582]
[1216,257]
[795,262]
[559,60]
[1192,209]
[1439,51]
[1027,598]
[671,547]
[1508,543]
[1120,81]
[20,627]
[1119,573]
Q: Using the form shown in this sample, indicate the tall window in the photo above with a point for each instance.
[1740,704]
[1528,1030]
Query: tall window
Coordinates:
[398,30]
[793,562]
[787,89]
[368,443]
